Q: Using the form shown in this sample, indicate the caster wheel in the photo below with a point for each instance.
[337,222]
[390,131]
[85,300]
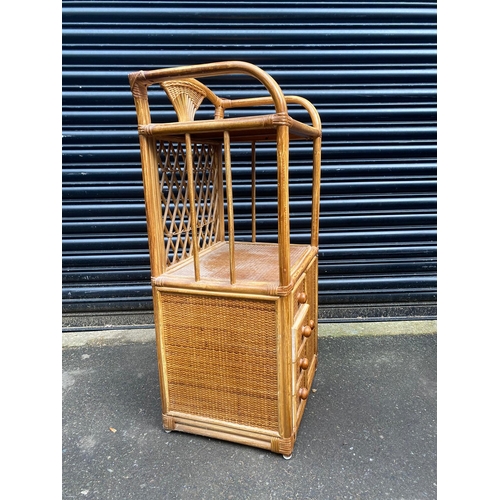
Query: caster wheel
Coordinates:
[167,431]
[287,457]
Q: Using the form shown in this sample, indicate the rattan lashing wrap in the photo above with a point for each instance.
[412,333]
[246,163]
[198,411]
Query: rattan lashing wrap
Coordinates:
[222,364]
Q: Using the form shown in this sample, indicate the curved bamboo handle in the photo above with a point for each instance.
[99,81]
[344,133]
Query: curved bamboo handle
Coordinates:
[140,80]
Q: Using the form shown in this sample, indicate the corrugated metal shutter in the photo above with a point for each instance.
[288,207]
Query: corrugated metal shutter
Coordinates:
[369,68]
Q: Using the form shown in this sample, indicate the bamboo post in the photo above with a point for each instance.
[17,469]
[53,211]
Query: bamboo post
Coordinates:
[192,208]
[282,138]
[254,196]
[315,192]
[156,241]
[230,213]
[221,230]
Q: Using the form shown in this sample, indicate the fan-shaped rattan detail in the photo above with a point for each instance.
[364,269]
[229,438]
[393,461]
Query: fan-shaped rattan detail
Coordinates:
[185,96]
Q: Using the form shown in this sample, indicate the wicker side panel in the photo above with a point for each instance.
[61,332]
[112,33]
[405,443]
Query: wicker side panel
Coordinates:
[221,358]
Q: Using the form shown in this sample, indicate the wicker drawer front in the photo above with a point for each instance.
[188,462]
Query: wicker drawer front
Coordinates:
[299,295]
[304,356]
[304,340]
[221,358]
[305,359]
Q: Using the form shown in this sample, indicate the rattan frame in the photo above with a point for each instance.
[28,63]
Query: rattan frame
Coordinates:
[235,321]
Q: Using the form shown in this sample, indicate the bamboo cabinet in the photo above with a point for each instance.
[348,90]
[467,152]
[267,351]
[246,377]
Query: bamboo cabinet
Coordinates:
[235,318]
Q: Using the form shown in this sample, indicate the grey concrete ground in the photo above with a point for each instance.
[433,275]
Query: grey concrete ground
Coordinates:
[114,336]
[369,430]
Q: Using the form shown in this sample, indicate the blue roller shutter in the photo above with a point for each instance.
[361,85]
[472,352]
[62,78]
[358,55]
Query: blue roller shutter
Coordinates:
[369,68]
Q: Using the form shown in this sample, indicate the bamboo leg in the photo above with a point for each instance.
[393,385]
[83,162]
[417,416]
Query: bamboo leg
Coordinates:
[230,213]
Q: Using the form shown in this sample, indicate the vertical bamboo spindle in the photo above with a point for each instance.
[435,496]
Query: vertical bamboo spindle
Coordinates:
[315,193]
[192,208]
[230,214]
[221,235]
[282,140]
[254,195]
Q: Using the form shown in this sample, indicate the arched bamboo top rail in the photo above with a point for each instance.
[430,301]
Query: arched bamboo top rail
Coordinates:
[140,80]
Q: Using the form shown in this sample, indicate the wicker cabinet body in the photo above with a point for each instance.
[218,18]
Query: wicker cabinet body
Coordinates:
[235,318]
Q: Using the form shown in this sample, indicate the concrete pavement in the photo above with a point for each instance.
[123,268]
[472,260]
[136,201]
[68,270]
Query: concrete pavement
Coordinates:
[368,432]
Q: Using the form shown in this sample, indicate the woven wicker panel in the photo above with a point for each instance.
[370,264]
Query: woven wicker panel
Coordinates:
[174,196]
[221,357]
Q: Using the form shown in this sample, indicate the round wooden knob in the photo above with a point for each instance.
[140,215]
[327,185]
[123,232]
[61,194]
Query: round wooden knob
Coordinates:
[311,324]
[302,298]
[304,363]
[303,393]
[306,331]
